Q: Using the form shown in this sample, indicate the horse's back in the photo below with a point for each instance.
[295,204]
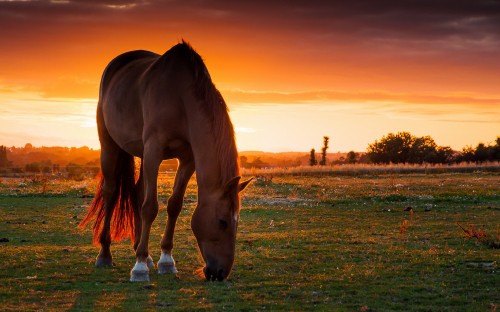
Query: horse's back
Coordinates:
[122,61]
[143,98]
[120,100]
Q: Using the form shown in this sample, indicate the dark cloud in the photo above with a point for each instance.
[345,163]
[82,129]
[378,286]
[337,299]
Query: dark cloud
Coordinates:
[382,18]
[413,19]
[461,33]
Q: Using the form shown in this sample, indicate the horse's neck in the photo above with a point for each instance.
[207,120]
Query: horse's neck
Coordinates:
[210,172]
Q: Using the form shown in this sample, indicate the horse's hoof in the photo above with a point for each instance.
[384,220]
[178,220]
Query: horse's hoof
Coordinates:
[151,263]
[166,264]
[165,268]
[140,272]
[103,262]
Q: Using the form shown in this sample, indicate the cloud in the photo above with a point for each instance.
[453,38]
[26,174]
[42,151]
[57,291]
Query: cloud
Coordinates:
[255,97]
[410,19]
[70,87]
[51,111]
[393,45]
[244,130]
[67,87]
[7,88]
[384,25]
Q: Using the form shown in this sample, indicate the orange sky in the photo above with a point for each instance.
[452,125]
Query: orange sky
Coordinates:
[291,71]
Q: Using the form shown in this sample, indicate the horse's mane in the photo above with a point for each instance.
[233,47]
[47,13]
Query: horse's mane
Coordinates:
[217,110]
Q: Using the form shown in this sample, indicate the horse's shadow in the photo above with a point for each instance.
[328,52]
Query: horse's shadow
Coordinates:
[110,289]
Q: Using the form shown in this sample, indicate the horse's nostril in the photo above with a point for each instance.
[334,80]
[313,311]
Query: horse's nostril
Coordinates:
[221,275]
[210,273]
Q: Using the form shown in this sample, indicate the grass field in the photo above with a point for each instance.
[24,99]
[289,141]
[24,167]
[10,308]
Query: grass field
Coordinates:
[309,242]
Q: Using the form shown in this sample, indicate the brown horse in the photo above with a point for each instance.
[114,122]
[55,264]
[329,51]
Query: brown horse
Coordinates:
[162,107]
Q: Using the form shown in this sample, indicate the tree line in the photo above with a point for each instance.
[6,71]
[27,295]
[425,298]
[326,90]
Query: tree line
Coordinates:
[403,147]
[70,162]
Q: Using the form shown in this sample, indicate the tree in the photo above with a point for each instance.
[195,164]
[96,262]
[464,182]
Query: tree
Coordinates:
[423,150]
[400,146]
[496,150]
[243,161]
[258,163]
[403,147]
[393,148]
[376,154]
[482,153]
[4,162]
[312,158]
[467,154]
[352,157]
[445,155]
[323,151]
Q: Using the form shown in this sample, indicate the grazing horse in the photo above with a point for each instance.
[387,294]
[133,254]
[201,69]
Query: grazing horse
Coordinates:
[158,107]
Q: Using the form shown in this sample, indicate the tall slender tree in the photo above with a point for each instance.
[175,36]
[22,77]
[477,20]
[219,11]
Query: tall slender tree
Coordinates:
[323,151]
[312,158]
[4,162]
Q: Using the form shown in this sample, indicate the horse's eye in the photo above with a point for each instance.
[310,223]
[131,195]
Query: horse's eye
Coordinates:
[223,224]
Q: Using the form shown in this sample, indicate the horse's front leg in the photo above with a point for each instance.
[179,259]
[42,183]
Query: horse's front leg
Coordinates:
[137,204]
[151,162]
[166,264]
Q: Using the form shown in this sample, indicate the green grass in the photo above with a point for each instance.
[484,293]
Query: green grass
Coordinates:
[304,243]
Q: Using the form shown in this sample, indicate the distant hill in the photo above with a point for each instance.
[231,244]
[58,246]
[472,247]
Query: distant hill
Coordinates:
[260,159]
[62,156]
[55,155]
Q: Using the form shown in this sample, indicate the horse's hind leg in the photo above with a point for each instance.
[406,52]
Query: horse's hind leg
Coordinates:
[166,264]
[109,159]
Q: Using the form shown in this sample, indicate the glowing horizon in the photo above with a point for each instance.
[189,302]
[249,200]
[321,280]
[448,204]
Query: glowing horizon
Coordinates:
[289,78]
[75,125]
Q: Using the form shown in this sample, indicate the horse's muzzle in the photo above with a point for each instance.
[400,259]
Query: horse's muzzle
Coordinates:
[213,273]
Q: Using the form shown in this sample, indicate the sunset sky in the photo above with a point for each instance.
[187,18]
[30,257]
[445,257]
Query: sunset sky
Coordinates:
[290,71]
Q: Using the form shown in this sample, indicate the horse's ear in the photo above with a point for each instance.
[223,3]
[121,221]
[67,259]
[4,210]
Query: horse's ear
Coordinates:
[234,184]
[231,185]
[244,184]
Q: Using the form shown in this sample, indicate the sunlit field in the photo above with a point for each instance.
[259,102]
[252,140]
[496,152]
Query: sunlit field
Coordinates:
[327,242]
[375,169]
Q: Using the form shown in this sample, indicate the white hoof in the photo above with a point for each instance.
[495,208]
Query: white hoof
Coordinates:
[151,263]
[166,264]
[140,272]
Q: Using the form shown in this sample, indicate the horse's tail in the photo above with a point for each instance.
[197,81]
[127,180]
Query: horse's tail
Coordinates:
[121,203]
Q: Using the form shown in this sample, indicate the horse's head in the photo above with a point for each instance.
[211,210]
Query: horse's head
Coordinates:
[214,224]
